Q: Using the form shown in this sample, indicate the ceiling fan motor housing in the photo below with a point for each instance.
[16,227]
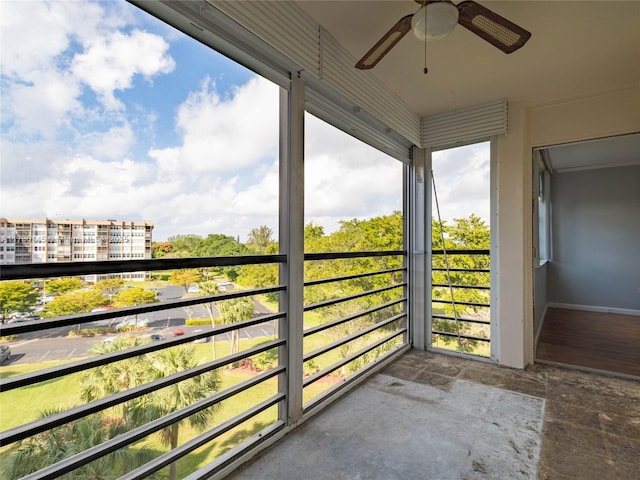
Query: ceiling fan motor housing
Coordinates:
[434,20]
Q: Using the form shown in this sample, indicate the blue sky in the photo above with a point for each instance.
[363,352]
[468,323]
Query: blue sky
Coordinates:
[108,113]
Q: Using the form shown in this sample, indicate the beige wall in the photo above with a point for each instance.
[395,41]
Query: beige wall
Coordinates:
[603,115]
[512,237]
[598,116]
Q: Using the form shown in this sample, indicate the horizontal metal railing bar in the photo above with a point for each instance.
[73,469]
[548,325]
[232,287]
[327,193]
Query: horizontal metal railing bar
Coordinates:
[311,283]
[349,338]
[38,426]
[168,458]
[80,318]
[320,398]
[87,456]
[461,252]
[333,301]
[468,287]
[334,323]
[322,373]
[237,452]
[342,255]
[62,269]
[455,335]
[473,270]
[469,304]
[30,378]
[462,319]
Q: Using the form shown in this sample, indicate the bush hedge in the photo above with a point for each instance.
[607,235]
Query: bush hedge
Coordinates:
[200,321]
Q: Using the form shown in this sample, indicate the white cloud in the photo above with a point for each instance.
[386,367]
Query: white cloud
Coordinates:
[113,144]
[110,63]
[226,134]
[29,46]
[220,176]
[42,105]
[462,181]
[345,178]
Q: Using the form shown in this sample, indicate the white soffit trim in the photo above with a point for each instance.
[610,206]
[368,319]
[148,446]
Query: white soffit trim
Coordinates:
[337,69]
[465,126]
[350,121]
[281,24]
[289,30]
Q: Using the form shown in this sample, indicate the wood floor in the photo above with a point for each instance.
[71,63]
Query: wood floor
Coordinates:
[602,341]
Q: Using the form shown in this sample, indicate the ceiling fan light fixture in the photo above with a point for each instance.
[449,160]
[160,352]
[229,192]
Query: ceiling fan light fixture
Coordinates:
[434,21]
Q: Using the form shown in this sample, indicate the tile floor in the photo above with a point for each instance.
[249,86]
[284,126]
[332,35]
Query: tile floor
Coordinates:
[591,427]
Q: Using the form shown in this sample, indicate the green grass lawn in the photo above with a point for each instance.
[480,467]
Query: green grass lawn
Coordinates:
[23,405]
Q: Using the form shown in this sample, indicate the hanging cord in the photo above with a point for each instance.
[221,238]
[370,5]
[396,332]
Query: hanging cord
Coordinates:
[425,42]
[446,263]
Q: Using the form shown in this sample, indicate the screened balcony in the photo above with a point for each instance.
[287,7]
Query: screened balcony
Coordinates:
[454,343]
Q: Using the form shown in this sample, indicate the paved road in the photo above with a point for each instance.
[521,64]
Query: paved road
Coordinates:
[64,348]
[55,344]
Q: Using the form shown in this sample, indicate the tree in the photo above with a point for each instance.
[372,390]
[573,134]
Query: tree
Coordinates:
[211,288]
[218,245]
[62,285]
[16,296]
[115,377]
[470,233]
[130,297]
[109,286]
[161,249]
[170,399]
[183,245]
[236,310]
[260,238]
[104,380]
[74,302]
[261,275]
[185,277]
[46,448]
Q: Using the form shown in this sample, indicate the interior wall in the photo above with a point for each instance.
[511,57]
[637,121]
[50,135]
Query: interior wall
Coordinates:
[597,116]
[596,238]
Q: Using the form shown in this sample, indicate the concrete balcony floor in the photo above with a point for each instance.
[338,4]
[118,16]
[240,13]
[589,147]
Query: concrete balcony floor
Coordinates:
[434,416]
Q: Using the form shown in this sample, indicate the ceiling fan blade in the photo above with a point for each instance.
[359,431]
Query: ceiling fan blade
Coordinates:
[386,43]
[490,26]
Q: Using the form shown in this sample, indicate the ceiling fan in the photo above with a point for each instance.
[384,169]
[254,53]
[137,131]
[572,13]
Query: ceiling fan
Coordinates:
[437,18]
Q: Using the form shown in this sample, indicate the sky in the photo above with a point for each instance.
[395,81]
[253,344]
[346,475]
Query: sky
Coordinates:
[106,113]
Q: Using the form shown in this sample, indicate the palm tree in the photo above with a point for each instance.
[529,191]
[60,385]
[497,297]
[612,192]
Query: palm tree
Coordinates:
[120,376]
[115,377]
[236,310]
[211,288]
[170,399]
[46,448]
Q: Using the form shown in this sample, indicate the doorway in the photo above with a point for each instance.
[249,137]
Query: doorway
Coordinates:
[587,254]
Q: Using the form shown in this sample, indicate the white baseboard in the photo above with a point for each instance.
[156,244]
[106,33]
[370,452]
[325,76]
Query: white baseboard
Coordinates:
[594,308]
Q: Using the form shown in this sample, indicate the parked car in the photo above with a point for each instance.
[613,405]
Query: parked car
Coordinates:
[178,331]
[5,352]
[24,318]
[200,340]
[142,322]
[193,289]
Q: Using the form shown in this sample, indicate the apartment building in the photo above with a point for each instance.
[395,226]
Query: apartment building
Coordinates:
[24,241]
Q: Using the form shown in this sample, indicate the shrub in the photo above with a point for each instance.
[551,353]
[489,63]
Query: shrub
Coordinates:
[200,321]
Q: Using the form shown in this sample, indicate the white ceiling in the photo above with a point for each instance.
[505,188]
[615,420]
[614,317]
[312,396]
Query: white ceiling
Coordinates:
[607,152]
[577,48]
